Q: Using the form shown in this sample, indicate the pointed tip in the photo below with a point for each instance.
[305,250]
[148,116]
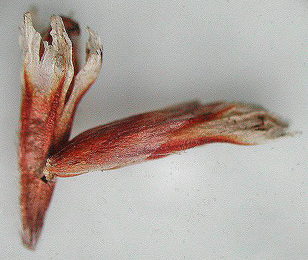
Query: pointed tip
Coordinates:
[35,198]
[28,17]
[57,25]
[29,39]
[27,23]
[30,239]
[59,34]
[94,45]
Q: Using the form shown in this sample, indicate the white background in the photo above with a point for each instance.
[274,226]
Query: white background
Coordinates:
[219,201]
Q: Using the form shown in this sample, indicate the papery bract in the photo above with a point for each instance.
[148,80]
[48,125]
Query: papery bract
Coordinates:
[49,100]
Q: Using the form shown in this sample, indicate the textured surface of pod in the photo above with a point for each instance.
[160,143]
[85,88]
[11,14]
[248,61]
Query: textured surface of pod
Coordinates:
[163,132]
[49,89]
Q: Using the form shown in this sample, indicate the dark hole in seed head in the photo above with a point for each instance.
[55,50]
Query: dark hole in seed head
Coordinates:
[44,179]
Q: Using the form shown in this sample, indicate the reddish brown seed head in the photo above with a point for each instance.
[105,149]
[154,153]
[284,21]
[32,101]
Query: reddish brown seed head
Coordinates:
[161,133]
[52,89]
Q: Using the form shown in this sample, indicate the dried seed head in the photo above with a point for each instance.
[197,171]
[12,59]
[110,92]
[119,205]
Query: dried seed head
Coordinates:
[51,94]
[50,97]
[160,133]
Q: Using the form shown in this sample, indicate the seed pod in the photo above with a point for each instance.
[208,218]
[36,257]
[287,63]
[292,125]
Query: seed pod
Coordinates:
[50,96]
[160,133]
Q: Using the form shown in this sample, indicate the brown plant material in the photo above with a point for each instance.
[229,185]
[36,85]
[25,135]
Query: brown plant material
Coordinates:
[50,96]
[51,93]
[160,133]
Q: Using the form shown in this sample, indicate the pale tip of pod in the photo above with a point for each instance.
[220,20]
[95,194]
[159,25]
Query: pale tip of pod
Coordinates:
[30,239]
[93,45]
[59,34]
[29,39]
